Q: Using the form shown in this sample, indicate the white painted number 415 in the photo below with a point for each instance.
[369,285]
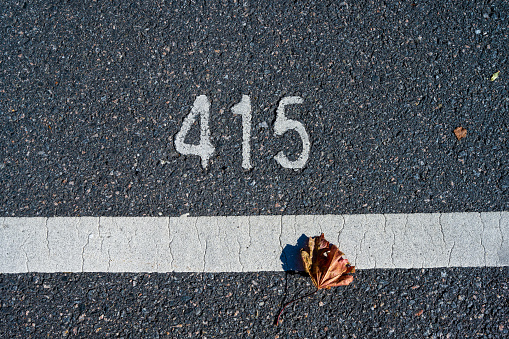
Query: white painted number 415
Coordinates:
[204,149]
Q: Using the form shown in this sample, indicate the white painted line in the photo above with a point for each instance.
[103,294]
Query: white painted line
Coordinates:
[250,243]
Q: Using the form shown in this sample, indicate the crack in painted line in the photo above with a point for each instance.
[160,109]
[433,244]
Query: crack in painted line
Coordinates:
[205,255]
[201,243]
[363,242]
[283,254]
[239,256]
[314,223]
[430,236]
[341,229]
[294,227]
[360,245]
[394,243]
[501,236]
[109,261]
[47,236]
[25,252]
[413,238]
[441,228]
[281,233]
[482,233]
[158,255]
[249,231]
[83,252]
[170,241]
[76,229]
[130,237]
[129,241]
[99,231]
[450,254]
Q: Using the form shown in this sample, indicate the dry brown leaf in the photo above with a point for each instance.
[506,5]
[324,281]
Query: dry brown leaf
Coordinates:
[460,132]
[325,264]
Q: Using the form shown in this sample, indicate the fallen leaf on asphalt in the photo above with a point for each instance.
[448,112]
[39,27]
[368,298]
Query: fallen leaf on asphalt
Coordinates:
[460,132]
[325,264]
[495,76]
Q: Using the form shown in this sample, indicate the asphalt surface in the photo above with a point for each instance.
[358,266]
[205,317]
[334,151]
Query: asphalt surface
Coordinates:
[93,94]
[429,303]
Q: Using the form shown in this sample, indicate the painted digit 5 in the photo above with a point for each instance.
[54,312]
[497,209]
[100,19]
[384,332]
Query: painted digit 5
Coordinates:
[282,125]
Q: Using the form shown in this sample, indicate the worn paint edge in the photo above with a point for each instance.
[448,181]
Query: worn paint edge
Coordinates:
[249,243]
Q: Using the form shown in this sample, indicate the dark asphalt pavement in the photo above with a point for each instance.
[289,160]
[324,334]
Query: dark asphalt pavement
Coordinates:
[93,94]
[428,303]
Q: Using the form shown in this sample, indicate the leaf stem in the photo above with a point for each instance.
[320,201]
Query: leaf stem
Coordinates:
[291,302]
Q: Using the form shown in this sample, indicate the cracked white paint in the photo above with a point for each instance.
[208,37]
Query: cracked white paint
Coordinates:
[224,238]
[13,257]
[376,246]
[47,235]
[263,251]
[462,233]
[341,230]
[187,249]
[139,242]
[246,244]
[67,256]
[171,221]
[421,241]
[352,236]
[94,259]
[23,244]
[280,235]
[243,224]
[503,251]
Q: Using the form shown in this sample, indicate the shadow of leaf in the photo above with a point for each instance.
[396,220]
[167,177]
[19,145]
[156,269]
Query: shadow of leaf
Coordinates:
[290,257]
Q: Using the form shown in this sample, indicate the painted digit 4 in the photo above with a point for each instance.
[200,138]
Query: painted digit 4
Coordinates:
[204,149]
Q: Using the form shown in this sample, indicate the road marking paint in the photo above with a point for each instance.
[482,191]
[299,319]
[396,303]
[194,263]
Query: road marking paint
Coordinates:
[282,125]
[243,108]
[204,149]
[249,243]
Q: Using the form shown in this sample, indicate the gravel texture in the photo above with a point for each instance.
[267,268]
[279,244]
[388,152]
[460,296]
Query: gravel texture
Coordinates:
[92,95]
[427,303]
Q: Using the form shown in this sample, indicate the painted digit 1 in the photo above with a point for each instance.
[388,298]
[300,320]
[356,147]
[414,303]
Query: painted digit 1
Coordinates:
[243,108]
